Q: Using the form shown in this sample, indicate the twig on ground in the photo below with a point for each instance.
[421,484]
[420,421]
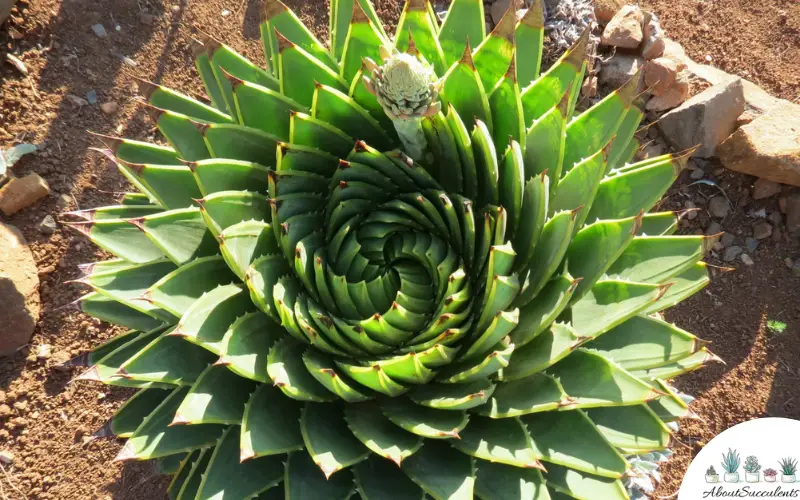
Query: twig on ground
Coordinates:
[8,478]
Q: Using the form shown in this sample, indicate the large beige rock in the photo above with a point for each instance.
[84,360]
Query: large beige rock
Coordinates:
[672,98]
[618,70]
[604,10]
[625,28]
[768,147]
[19,291]
[705,120]
[659,75]
[20,193]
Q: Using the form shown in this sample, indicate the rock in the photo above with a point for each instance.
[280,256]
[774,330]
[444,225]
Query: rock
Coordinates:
[48,225]
[19,289]
[604,10]
[751,244]
[793,213]
[5,9]
[768,147]
[697,174]
[91,97]
[719,207]
[731,253]
[6,457]
[746,259]
[727,239]
[659,75]
[691,214]
[20,193]
[775,218]
[99,30]
[43,352]
[764,188]
[498,9]
[713,228]
[109,108]
[762,230]
[706,119]
[64,201]
[147,19]
[653,49]
[672,98]
[625,28]
[619,70]
[77,101]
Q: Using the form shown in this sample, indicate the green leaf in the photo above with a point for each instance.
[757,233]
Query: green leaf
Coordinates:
[545,350]
[507,115]
[442,472]
[609,303]
[486,166]
[324,369]
[644,342]
[304,481]
[226,208]
[453,396]
[635,189]
[208,318]
[182,133]
[464,21]
[265,109]
[578,187]
[530,43]
[167,359]
[217,397]
[544,143]
[176,102]
[170,465]
[191,484]
[631,427]
[529,235]
[535,393]
[462,89]
[300,72]
[181,235]
[178,290]
[415,19]
[570,439]
[334,107]
[495,52]
[595,248]
[583,486]
[314,133]
[378,479]
[363,41]
[106,309]
[498,440]
[132,413]
[592,381]
[497,481]
[341,13]
[680,287]
[328,440]
[659,224]
[215,175]
[379,434]
[675,368]
[246,343]
[281,18]
[227,478]
[202,63]
[548,90]
[422,421]
[286,369]
[540,313]
[121,238]
[105,369]
[237,142]
[179,479]
[155,438]
[271,424]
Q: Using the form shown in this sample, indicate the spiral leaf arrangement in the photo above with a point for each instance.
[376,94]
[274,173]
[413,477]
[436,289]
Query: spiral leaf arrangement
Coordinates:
[314,313]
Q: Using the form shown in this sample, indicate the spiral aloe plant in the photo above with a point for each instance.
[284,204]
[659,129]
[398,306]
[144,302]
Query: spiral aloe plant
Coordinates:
[392,269]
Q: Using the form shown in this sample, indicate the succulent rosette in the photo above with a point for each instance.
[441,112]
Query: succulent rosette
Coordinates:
[392,268]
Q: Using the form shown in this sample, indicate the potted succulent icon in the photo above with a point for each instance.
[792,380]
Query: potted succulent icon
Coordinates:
[770,475]
[788,469]
[711,475]
[730,464]
[751,469]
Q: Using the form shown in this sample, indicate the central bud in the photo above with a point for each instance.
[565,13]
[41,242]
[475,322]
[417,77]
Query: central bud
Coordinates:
[405,87]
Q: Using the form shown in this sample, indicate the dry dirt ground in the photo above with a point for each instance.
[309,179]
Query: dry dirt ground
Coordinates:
[45,421]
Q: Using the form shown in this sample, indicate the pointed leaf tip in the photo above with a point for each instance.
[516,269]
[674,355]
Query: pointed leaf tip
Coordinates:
[283,42]
[273,8]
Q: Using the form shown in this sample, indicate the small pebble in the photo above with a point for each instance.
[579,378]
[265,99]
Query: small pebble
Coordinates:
[99,30]
[91,97]
[697,174]
[43,351]
[6,457]
[109,108]
[746,259]
[48,225]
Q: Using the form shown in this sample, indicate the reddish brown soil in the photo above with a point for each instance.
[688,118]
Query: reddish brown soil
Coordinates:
[45,421]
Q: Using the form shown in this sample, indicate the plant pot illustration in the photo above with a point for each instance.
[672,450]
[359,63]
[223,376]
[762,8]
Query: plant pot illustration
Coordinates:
[789,478]
[751,477]
[770,479]
[712,478]
[731,477]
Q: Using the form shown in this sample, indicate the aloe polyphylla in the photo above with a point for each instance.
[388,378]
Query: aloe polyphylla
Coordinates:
[454,298]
